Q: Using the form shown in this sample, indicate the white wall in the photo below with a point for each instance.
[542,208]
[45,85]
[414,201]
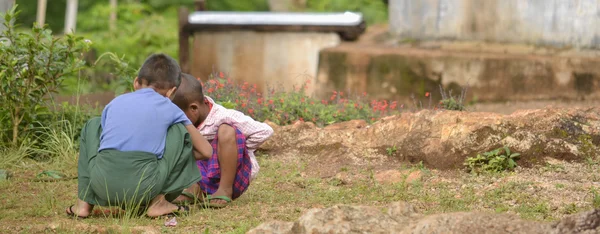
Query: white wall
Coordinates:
[541,22]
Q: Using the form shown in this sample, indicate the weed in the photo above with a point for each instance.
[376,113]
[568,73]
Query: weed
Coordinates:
[450,102]
[497,160]
[391,150]
[595,198]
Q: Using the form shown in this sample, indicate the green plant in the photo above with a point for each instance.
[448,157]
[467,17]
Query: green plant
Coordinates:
[32,66]
[285,107]
[595,198]
[391,150]
[497,160]
[450,102]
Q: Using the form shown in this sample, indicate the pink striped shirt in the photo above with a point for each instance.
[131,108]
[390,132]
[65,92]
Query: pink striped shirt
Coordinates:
[255,132]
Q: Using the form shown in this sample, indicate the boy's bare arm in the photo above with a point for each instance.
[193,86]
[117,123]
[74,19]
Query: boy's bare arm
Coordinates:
[202,148]
[256,132]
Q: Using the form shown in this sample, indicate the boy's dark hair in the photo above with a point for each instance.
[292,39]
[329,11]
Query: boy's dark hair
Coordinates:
[190,91]
[160,71]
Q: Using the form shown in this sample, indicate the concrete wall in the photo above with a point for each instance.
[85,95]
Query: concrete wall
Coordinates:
[5,5]
[272,59]
[542,22]
[396,73]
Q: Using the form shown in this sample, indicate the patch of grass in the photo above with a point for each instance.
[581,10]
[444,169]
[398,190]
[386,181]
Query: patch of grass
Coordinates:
[595,198]
[538,210]
[284,191]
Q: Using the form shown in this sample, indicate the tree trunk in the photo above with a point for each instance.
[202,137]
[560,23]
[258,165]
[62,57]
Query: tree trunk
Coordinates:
[41,12]
[15,121]
[71,16]
[113,15]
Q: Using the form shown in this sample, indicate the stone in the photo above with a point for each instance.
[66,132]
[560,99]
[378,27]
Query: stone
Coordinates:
[444,139]
[402,217]
[273,227]
[357,123]
[584,222]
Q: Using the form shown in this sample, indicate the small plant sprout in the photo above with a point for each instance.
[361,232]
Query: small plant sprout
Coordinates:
[497,160]
[391,150]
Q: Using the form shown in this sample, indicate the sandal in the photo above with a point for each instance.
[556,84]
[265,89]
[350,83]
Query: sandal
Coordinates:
[71,214]
[209,204]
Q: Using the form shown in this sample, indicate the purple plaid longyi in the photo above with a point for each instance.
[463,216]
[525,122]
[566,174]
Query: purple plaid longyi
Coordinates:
[211,172]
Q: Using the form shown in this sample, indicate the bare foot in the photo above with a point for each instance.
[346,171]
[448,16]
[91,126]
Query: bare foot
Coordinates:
[81,209]
[228,192]
[160,206]
[193,190]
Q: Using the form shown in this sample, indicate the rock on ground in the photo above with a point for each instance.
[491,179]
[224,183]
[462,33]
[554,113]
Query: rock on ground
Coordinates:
[444,139]
[401,218]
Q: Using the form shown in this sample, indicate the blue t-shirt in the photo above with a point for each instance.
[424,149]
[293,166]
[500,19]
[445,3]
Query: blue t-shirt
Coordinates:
[139,121]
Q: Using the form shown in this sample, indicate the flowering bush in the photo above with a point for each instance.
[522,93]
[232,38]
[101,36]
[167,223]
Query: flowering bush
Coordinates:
[284,108]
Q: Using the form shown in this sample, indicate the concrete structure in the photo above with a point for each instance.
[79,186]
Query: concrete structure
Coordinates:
[263,48]
[564,23]
[5,5]
[274,59]
[398,72]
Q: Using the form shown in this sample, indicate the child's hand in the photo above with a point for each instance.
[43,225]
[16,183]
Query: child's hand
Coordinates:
[202,148]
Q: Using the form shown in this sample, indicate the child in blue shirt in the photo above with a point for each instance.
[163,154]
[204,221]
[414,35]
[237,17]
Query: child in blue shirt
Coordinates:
[140,141]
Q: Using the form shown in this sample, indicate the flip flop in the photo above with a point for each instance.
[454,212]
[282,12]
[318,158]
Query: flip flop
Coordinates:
[209,198]
[71,214]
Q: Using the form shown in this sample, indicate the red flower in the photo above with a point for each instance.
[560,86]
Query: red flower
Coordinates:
[243,105]
[212,81]
[332,97]
[253,90]
[324,102]
[301,119]
[341,94]
[221,85]
[302,100]
[334,93]
[402,106]
[393,105]
[372,119]
[254,86]
[427,94]
[250,111]
[210,90]
[221,74]
[308,81]
[271,102]
[281,100]
[312,103]
[364,94]
[355,105]
[259,101]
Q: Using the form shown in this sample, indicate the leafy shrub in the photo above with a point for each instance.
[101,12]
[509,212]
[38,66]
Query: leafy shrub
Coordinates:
[287,107]
[497,160]
[33,66]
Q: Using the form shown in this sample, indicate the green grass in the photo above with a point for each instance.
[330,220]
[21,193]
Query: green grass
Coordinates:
[284,191]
